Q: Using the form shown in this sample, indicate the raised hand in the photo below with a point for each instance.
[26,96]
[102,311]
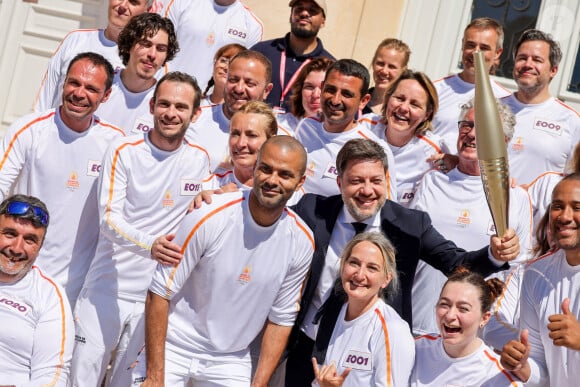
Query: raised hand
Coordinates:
[565,328]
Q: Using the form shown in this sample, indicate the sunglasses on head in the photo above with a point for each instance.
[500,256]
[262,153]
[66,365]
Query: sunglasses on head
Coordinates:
[17,208]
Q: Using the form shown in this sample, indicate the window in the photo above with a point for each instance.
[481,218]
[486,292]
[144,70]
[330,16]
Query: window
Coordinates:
[574,85]
[515,17]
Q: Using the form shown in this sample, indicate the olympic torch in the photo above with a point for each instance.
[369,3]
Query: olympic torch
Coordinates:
[491,148]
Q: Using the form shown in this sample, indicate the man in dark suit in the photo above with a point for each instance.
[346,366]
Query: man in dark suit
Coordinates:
[362,166]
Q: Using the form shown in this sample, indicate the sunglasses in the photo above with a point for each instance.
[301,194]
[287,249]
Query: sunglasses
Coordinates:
[17,208]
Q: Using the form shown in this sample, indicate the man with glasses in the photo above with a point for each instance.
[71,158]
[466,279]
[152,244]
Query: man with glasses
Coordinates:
[362,166]
[36,338]
[289,53]
[56,155]
[467,222]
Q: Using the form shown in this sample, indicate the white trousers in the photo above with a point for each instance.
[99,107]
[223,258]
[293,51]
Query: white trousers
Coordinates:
[105,325]
[198,371]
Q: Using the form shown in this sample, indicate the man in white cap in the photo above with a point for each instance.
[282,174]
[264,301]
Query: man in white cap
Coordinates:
[289,53]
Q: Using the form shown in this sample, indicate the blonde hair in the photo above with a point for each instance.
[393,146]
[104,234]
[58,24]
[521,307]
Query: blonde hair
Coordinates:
[389,263]
[428,87]
[397,45]
[263,109]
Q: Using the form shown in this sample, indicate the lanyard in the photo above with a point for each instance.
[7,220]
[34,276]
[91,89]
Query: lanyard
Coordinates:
[286,89]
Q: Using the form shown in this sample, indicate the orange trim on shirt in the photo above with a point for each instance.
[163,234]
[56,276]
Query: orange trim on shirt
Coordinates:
[428,337]
[109,125]
[502,87]
[501,297]
[256,19]
[542,176]
[362,134]
[444,78]
[167,9]
[387,345]
[366,119]
[198,147]
[222,175]
[110,199]
[549,253]
[428,141]
[300,225]
[62,329]
[190,235]
[567,107]
[286,132]
[37,98]
[499,367]
[310,238]
[19,132]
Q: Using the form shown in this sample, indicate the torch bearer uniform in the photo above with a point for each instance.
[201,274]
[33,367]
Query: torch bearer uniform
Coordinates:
[544,138]
[144,192]
[90,40]
[540,191]
[43,157]
[547,282]
[36,338]
[434,367]
[377,346]
[456,203]
[234,275]
[212,131]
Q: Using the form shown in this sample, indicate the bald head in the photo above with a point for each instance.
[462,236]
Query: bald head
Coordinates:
[287,144]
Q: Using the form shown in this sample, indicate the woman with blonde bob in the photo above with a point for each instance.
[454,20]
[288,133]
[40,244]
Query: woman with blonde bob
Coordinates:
[250,127]
[370,345]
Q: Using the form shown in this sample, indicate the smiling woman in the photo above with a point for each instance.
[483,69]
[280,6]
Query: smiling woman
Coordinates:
[410,102]
[370,344]
[217,82]
[457,356]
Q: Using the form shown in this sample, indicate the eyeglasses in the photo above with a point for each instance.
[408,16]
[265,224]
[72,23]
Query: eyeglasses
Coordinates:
[223,60]
[17,208]
[465,126]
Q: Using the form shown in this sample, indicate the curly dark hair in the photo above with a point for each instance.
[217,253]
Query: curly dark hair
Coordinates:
[144,26]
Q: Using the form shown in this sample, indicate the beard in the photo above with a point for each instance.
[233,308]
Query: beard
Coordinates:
[302,32]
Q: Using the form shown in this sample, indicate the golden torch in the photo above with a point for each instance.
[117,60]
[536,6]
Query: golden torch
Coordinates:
[491,148]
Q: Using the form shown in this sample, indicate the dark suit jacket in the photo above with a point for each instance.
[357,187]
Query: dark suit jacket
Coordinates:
[410,231]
